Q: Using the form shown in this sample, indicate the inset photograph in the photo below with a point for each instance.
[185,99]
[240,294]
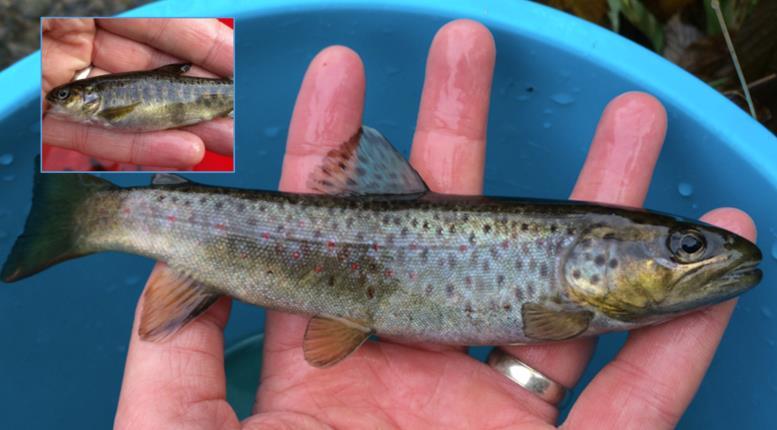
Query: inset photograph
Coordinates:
[137,94]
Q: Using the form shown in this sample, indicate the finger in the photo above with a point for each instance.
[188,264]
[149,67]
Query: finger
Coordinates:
[65,49]
[449,144]
[178,382]
[171,148]
[218,134]
[450,139]
[658,370]
[134,55]
[617,170]
[205,42]
[328,111]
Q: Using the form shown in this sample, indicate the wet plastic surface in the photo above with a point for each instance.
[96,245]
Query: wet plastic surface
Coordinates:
[65,331]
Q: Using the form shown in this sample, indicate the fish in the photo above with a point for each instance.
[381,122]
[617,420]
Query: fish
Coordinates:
[157,99]
[375,252]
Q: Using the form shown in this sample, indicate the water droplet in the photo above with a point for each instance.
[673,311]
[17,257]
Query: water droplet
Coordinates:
[771,342]
[9,178]
[131,280]
[547,111]
[272,132]
[766,312]
[523,97]
[774,250]
[3,234]
[546,124]
[685,189]
[563,99]
[6,159]
[575,90]
[391,71]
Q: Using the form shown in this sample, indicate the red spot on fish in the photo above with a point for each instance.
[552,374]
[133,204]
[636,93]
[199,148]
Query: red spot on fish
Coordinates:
[301,224]
[375,246]
[295,255]
[318,269]
[412,275]
[266,236]
[462,248]
[171,218]
[126,210]
[413,246]
[354,266]
[330,244]
[388,273]
[220,226]
[505,244]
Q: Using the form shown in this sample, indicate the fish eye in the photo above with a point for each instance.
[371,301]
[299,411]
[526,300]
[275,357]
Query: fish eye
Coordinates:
[687,245]
[63,94]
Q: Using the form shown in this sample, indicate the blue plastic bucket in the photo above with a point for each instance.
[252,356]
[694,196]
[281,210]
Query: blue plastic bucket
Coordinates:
[65,331]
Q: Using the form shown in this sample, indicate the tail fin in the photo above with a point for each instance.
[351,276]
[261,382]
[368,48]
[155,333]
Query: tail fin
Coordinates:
[50,235]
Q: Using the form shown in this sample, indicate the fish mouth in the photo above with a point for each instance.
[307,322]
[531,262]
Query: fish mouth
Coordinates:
[746,275]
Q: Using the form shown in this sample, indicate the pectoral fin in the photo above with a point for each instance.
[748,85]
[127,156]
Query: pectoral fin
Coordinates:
[329,340]
[171,300]
[116,113]
[543,323]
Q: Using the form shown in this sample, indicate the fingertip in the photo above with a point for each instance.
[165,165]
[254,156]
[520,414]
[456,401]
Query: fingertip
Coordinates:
[471,32]
[338,55]
[624,151]
[169,148]
[734,220]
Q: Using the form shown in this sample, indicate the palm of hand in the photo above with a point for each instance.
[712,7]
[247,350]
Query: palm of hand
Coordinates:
[385,384]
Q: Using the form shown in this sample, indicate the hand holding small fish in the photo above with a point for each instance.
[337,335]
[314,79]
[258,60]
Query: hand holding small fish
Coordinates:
[180,383]
[123,45]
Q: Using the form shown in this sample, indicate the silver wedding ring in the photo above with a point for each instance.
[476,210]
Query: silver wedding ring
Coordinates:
[528,378]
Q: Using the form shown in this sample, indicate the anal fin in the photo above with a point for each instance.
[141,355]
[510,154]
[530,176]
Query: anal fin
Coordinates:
[171,300]
[543,323]
[329,340]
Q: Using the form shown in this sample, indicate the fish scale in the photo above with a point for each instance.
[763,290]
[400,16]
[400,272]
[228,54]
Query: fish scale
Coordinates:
[388,257]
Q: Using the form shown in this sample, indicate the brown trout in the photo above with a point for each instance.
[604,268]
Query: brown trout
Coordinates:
[143,101]
[378,253]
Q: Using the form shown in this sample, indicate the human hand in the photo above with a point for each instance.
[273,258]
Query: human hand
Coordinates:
[120,45]
[181,383]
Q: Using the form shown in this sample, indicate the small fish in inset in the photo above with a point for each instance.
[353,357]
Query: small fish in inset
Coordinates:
[157,99]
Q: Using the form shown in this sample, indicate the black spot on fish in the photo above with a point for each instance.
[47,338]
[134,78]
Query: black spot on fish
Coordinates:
[494,252]
[241,207]
[544,270]
[599,260]
[439,231]
[452,229]
[370,292]
[269,272]
[524,227]
[585,243]
[251,221]
[613,263]
[500,279]
[429,289]
[518,293]
[360,171]
[576,274]
[472,238]
[426,225]
[595,279]
[425,255]
[609,236]
[530,288]
[507,306]
[160,198]
[532,265]
[449,290]
[468,309]
[570,231]
[452,261]
[219,205]
[468,280]
[414,223]
[518,264]
[486,228]
[331,281]
[486,266]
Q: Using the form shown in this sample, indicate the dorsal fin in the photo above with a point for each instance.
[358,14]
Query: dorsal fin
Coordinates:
[366,164]
[174,69]
[168,179]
